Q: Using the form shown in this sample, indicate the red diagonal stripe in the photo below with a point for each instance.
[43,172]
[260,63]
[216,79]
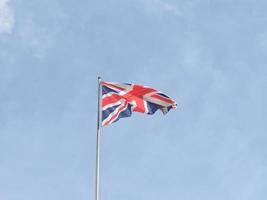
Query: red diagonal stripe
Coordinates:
[111,86]
[110,99]
[114,117]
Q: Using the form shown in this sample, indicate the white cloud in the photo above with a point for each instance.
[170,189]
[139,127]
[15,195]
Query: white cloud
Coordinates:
[6,17]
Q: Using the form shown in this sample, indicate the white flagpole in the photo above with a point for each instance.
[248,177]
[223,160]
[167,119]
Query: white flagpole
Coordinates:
[99,122]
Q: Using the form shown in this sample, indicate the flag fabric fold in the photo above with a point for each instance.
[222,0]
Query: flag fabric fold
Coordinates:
[121,99]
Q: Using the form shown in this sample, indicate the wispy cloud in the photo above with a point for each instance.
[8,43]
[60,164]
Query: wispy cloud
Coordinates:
[36,39]
[6,17]
[160,6]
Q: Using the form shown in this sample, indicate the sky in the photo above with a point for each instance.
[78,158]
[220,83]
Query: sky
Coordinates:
[210,56]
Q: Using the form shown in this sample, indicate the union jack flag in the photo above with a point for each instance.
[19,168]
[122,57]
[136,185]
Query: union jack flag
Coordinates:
[120,100]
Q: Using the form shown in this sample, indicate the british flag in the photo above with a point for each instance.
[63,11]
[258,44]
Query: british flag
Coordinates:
[121,99]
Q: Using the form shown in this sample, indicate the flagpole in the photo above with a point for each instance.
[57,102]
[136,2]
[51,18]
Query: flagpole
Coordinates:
[99,121]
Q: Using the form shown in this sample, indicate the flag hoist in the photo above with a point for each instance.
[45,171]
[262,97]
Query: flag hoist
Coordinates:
[118,100]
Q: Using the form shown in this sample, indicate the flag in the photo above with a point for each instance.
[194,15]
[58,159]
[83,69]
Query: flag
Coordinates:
[121,99]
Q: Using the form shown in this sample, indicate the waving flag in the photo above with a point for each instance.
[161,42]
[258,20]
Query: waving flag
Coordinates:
[120,100]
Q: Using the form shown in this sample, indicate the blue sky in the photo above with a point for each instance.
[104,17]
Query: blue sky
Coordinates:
[210,56]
